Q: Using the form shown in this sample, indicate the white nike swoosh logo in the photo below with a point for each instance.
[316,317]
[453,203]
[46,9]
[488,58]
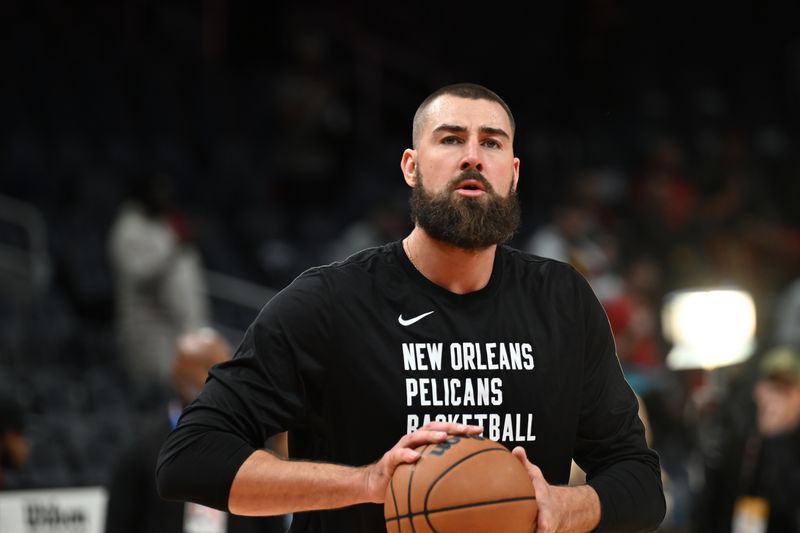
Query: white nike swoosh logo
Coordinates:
[412,320]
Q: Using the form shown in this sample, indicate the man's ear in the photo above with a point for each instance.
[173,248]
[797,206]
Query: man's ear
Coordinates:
[516,173]
[408,164]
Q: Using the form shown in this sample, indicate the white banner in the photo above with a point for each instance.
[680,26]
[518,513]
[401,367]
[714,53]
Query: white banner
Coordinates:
[78,510]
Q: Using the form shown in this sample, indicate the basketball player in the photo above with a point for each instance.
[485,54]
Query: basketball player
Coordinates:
[446,331]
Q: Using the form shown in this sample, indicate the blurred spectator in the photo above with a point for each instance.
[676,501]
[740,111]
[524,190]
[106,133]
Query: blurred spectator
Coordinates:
[787,317]
[664,219]
[573,237]
[133,504]
[666,199]
[14,446]
[602,194]
[746,239]
[755,485]
[777,394]
[160,289]
[634,318]
[384,222]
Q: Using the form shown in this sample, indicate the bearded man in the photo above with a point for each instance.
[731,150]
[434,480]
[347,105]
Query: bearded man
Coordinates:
[448,331]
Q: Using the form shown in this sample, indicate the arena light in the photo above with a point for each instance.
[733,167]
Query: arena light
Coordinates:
[709,328]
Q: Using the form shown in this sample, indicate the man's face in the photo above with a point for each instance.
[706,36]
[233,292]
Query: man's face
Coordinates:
[457,134]
[465,154]
[195,355]
[14,450]
[778,406]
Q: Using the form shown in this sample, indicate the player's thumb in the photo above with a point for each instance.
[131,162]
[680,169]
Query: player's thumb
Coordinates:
[532,469]
[519,453]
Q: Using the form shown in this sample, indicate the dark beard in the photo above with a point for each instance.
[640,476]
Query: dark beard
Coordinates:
[462,221]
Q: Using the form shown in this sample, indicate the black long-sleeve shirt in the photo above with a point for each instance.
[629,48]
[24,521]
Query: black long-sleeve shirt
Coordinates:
[371,343]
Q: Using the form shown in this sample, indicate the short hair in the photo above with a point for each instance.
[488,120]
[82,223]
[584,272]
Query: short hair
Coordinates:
[473,91]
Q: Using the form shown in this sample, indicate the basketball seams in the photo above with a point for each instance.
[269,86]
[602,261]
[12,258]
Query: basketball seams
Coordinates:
[411,515]
[457,505]
[447,471]
[410,480]
[394,500]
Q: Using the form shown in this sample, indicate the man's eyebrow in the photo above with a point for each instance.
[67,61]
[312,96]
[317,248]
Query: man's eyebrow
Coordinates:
[454,128]
[495,131]
[449,127]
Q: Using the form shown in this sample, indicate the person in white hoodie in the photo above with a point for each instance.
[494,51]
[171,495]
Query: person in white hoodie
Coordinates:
[160,289]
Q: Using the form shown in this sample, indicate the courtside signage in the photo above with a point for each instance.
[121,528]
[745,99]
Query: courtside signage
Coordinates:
[78,510]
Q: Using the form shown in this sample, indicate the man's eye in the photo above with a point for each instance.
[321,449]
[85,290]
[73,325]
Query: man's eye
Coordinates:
[451,140]
[491,143]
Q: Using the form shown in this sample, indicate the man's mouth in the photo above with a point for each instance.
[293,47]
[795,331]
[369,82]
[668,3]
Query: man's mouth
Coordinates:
[470,187]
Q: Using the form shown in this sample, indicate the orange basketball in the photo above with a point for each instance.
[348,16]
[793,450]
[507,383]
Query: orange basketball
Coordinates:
[462,484]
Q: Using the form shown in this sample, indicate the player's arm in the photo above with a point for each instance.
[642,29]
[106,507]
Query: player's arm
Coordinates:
[267,485]
[610,443]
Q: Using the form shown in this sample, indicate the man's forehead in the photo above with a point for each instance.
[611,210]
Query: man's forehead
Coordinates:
[467,112]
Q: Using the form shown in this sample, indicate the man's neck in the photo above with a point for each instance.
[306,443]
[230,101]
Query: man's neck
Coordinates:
[455,269]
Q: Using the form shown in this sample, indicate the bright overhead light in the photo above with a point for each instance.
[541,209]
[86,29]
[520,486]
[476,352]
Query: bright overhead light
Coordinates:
[709,328]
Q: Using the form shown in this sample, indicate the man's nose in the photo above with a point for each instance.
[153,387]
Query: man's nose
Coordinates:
[472,157]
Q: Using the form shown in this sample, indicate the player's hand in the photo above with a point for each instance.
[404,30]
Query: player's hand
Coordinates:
[379,474]
[561,509]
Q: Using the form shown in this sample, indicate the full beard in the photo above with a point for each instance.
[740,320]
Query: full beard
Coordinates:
[470,223]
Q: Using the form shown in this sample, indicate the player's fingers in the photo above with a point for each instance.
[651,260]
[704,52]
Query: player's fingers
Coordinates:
[453,429]
[404,451]
[422,436]
[406,455]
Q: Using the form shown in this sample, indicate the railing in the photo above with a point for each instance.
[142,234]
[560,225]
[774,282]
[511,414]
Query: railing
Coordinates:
[25,269]
[235,303]
[25,275]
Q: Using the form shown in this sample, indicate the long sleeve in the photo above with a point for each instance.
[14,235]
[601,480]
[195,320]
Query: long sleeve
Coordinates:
[261,392]
[611,444]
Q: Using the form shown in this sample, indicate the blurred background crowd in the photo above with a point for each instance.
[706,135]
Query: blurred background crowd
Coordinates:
[166,166]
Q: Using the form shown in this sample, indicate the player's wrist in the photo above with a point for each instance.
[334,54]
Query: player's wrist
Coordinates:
[367,484]
[580,508]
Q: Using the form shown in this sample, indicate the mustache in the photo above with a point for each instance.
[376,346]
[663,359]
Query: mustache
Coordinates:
[470,174]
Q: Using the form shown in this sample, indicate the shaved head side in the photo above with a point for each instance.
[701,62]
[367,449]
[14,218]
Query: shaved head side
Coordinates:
[472,91]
